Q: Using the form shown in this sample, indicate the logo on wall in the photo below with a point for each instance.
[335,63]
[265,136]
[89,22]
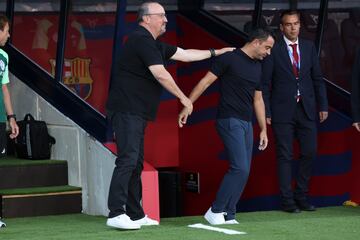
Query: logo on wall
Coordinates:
[315,18]
[76,75]
[268,19]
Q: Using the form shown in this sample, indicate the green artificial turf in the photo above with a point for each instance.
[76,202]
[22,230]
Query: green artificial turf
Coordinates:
[38,190]
[10,161]
[340,223]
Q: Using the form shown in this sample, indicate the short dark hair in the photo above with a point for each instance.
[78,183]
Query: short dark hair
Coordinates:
[261,34]
[3,21]
[287,13]
[143,10]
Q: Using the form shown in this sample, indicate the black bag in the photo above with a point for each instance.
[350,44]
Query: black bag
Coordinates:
[33,141]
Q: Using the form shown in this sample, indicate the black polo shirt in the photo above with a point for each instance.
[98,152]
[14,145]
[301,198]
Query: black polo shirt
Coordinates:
[239,77]
[134,89]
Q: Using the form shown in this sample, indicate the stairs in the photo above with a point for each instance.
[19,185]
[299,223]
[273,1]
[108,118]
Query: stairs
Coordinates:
[36,188]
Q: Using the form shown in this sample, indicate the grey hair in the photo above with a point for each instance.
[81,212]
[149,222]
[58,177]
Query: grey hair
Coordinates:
[143,10]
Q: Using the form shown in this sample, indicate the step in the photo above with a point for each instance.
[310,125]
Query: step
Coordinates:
[23,173]
[40,201]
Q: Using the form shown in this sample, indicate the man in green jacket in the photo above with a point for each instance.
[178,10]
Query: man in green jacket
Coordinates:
[6,111]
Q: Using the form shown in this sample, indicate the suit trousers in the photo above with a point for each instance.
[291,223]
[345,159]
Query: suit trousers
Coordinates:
[125,191]
[304,130]
[237,136]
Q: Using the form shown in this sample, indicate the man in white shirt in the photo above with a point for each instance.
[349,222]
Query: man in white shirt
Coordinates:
[293,86]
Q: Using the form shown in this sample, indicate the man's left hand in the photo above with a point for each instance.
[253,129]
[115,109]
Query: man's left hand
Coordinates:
[224,50]
[323,116]
[263,140]
[357,126]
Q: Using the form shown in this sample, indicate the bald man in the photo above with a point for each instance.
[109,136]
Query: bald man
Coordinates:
[134,97]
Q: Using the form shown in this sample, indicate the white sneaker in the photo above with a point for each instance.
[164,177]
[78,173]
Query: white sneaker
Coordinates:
[214,218]
[2,224]
[146,221]
[123,222]
[232,221]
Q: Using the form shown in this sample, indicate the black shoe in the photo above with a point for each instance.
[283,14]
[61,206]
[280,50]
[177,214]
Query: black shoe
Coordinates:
[305,206]
[291,209]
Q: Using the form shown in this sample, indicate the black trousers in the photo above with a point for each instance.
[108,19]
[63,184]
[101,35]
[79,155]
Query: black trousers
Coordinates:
[304,130]
[125,191]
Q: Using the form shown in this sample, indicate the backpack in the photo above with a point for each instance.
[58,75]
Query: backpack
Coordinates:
[33,141]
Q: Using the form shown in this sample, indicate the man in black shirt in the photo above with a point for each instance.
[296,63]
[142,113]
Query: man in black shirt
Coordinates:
[239,72]
[134,97]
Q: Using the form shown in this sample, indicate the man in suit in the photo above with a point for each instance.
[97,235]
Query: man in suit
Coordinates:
[355,91]
[293,86]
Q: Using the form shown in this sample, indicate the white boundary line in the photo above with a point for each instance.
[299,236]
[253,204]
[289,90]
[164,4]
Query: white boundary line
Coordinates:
[216,229]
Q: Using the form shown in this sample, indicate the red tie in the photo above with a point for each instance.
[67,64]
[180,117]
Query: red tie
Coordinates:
[295,63]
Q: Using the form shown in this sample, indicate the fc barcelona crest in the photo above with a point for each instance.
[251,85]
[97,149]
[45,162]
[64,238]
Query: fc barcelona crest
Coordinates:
[76,75]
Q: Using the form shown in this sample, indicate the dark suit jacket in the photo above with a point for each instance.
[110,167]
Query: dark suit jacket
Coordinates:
[280,84]
[355,88]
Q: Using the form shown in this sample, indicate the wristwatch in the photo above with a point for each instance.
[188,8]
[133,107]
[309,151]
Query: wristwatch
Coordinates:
[11,116]
[212,52]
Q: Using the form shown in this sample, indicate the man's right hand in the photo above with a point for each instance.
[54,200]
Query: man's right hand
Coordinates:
[183,115]
[268,121]
[14,128]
